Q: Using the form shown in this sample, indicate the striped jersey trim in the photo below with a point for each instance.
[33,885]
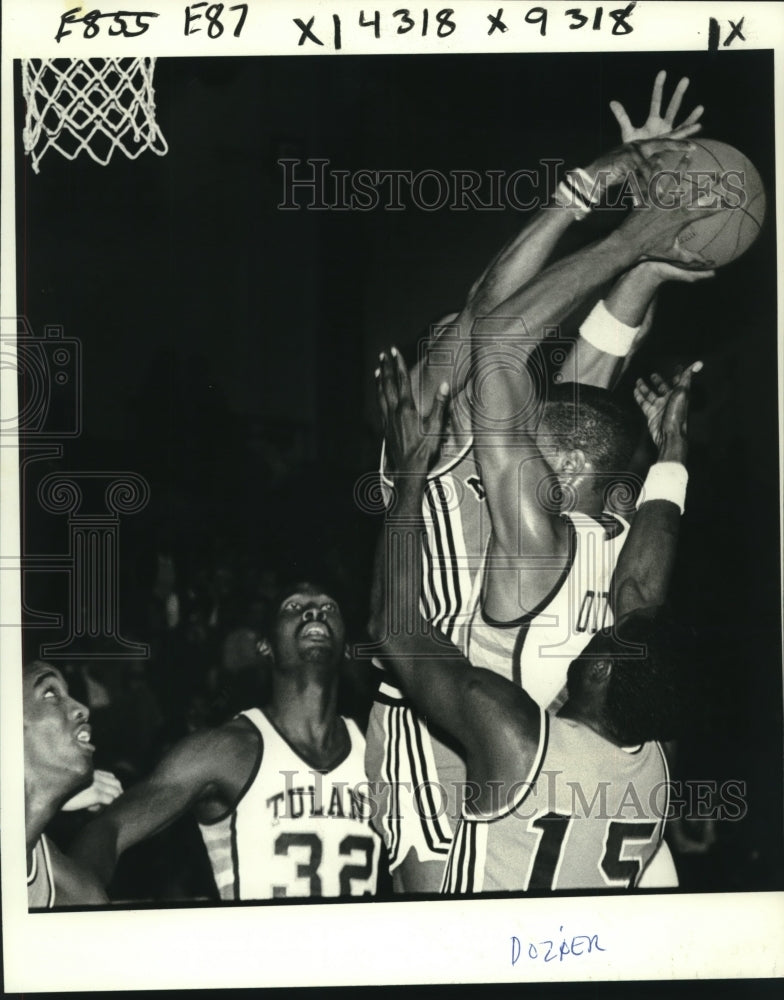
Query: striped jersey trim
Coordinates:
[389,769]
[405,765]
[464,872]
[438,840]
[221,843]
[448,558]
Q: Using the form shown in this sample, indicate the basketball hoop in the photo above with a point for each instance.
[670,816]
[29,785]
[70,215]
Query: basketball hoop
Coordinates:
[90,105]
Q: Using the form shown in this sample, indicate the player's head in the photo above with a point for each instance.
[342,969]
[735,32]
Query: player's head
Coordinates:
[632,681]
[57,748]
[585,429]
[306,627]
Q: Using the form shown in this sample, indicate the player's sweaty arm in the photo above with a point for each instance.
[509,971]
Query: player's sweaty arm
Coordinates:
[642,575]
[525,255]
[501,291]
[200,765]
[624,316]
[502,402]
[495,721]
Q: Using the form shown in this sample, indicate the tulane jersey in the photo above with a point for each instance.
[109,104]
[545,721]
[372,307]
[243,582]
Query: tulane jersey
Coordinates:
[589,815]
[535,650]
[297,830]
[40,880]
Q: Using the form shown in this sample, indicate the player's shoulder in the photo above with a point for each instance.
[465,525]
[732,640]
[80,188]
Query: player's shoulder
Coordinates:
[238,734]
[220,751]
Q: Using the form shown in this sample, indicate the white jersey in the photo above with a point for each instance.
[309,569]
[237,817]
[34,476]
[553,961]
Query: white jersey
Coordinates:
[297,830]
[588,815]
[404,758]
[535,651]
[457,529]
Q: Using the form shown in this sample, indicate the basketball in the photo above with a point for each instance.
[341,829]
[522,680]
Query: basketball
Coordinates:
[723,237]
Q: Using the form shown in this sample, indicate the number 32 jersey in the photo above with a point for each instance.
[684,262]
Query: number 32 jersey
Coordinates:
[589,815]
[297,830]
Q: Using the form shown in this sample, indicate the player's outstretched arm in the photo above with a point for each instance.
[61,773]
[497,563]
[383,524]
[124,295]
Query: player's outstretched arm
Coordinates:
[505,392]
[493,719]
[510,287]
[646,562]
[201,764]
[618,325]
[524,256]
[513,267]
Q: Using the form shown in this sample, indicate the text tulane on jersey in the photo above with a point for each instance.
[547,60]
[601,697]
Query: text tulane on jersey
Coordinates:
[342,800]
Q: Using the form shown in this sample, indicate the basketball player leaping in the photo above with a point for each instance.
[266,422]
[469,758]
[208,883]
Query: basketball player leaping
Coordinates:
[573,800]
[279,794]
[455,504]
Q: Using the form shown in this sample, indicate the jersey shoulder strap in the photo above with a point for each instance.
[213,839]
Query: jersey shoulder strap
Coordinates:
[40,880]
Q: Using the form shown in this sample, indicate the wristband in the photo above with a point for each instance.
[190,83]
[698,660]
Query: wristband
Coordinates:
[582,182]
[576,192]
[566,198]
[665,481]
[606,333]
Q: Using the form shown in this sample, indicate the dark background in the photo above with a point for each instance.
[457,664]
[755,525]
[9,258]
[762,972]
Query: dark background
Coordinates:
[228,346]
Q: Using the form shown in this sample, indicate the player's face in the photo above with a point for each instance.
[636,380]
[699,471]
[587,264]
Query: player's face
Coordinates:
[56,734]
[309,628]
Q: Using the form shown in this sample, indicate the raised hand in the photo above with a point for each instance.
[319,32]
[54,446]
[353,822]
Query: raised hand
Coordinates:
[665,406]
[413,440]
[657,124]
[104,789]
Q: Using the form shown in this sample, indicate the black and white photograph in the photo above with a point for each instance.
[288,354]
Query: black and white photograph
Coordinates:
[391,494]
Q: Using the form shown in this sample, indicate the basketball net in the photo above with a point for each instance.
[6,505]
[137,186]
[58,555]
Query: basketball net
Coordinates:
[90,105]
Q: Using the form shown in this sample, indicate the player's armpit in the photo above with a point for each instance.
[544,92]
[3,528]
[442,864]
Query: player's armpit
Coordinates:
[204,763]
[74,884]
[507,725]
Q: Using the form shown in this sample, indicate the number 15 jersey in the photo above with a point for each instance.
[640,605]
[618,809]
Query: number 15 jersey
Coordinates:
[589,815]
[296,830]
